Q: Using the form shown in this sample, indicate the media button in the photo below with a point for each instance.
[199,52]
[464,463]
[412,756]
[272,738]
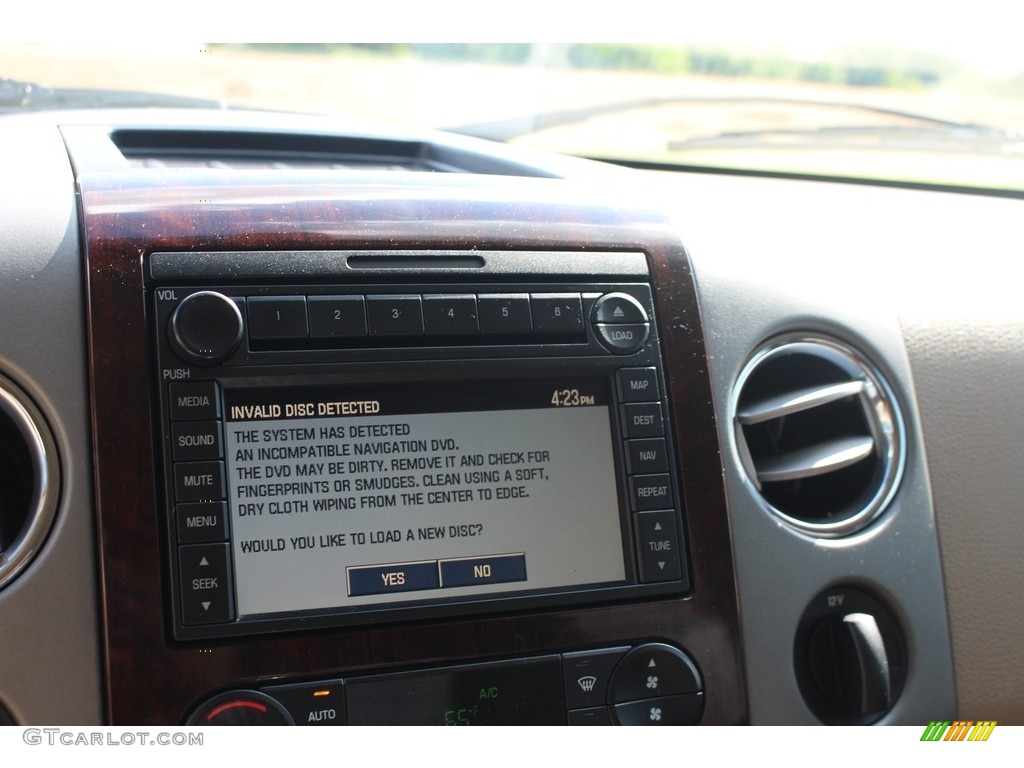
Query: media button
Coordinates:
[470,571]
[194,401]
[397,577]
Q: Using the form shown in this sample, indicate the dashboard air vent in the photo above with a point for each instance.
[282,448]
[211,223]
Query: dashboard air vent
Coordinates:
[819,434]
[28,481]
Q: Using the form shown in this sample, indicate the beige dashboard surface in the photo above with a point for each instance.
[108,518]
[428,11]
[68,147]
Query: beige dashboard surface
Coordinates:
[970,385]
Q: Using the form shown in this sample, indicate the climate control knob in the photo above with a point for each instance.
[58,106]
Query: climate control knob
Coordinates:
[240,708]
[205,328]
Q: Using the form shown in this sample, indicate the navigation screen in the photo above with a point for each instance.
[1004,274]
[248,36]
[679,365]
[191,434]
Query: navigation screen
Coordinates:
[361,495]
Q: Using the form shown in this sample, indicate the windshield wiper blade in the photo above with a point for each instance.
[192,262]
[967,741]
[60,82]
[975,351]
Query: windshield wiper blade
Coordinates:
[945,137]
[16,95]
[523,125]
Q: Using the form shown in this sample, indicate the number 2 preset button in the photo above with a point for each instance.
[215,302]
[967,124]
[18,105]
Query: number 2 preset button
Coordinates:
[397,577]
[336,316]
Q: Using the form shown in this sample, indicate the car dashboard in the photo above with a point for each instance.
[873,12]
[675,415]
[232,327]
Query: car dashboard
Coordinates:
[315,426]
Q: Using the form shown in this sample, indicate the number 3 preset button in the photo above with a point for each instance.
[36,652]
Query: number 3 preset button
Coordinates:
[394,315]
[396,577]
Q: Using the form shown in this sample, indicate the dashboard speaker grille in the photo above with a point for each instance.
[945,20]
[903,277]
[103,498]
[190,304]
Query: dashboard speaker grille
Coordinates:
[819,434]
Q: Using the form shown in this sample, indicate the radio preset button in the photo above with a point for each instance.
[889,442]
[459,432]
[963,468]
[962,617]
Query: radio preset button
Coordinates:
[194,400]
[394,315]
[206,594]
[199,481]
[658,544]
[206,327]
[450,315]
[277,317]
[557,313]
[399,577]
[505,313]
[336,316]
[643,420]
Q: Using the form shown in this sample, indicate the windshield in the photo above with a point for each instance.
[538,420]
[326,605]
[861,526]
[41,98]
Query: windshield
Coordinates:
[935,110]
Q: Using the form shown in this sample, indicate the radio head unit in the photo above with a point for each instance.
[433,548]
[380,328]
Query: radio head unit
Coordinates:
[415,438]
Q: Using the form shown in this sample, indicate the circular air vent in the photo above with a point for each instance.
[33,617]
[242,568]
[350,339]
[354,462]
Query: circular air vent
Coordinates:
[819,434]
[28,481]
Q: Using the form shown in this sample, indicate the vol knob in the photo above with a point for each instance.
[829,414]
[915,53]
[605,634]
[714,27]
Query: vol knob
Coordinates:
[206,328]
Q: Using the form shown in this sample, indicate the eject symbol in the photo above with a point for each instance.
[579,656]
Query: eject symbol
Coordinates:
[587,683]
